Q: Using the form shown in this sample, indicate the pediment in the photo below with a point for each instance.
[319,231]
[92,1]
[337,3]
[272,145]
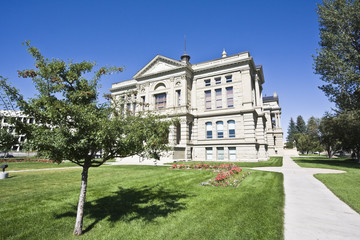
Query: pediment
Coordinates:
[158,65]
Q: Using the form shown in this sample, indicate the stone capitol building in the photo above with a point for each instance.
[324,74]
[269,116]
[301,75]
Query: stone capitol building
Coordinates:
[223,114]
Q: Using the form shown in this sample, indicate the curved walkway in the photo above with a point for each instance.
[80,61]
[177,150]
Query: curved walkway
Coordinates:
[312,211]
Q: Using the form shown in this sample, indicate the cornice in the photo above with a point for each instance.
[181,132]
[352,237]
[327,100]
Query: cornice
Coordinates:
[139,74]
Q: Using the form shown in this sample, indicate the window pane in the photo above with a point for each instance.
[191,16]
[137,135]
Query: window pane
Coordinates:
[218,98]
[230,96]
[228,79]
[207,99]
[207,82]
[232,153]
[220,129]
[209,130]
[231,127]
[178,97]
[209,153]
[217,80]
[220,152]
[160,101]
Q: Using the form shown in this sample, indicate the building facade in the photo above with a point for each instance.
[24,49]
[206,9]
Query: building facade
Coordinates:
[5,124]
[223,115]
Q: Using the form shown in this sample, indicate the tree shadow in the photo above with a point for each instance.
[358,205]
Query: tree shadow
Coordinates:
[344,163]
[128,204]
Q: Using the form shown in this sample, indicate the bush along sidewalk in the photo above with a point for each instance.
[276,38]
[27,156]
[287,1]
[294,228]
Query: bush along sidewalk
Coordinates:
[25,160]
[229,175]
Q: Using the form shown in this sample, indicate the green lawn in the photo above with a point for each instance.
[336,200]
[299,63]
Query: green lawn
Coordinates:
[345,186]
[141,202]
[272,162]
[14,166]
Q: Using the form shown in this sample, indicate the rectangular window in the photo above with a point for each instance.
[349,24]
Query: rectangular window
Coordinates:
[128,108]
[228,79]
[218,98]
[31,120]
[178,98]
[231,127]
[220,153]
[209,130]
[232,153]
[207,82]
[209,153]
[143,102]
[160,101]
[217,80]
[220,129]
[230,96]
[208,99]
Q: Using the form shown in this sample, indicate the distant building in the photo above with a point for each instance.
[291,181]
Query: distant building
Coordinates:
[5,116]
[223,115]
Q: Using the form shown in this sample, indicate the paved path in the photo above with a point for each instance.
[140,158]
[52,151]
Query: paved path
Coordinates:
[312,211]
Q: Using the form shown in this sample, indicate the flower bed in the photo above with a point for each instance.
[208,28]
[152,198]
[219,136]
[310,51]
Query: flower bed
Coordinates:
[231,177]
[25,160]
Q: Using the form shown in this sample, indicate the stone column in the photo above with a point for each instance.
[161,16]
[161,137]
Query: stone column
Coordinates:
[257,91]
[172,137]
[279,116]
[246,91]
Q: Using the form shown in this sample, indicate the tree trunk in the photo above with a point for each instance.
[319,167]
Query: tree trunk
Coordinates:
[329,152]
[82,197]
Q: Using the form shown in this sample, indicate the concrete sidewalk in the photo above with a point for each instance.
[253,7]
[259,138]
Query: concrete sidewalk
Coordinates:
[312,211]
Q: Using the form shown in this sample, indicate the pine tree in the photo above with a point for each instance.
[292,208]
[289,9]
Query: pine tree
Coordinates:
[291,134]
[300,125]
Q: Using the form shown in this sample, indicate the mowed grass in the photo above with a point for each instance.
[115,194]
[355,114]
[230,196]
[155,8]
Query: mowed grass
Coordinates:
[346,186]
[272,162]
[15,166]
[141,202]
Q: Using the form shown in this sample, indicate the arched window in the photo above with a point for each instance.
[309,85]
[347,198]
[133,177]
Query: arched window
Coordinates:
[220,129]
[160,86]
[231,127]
[209,130]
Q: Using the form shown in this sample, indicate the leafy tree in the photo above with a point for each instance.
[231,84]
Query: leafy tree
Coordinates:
[300,125]
[313,127]
[73,125]
[7,140]
[303,143]
[329,136]
[292,130]
[338,59]
[348,130]
[338,63]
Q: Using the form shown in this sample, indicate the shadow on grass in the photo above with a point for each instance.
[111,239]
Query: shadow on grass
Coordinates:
[128,204]
[344,163]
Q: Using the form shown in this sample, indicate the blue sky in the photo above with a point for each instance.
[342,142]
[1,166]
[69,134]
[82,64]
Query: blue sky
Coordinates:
[280,35]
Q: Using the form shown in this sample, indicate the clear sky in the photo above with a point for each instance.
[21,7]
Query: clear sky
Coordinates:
[280,35]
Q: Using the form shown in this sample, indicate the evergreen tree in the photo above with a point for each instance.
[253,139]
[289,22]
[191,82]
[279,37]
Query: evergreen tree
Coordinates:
[338,59]
[300,125]
[291,134]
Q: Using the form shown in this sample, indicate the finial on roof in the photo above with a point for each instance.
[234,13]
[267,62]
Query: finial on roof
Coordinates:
[275,95]
[224,54]
[185,57]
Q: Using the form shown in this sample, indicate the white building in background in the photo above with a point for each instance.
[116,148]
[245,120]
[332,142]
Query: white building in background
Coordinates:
[5,123]
[223,115]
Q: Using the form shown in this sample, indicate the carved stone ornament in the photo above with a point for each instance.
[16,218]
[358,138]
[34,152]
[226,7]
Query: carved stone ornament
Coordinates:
[178,83]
